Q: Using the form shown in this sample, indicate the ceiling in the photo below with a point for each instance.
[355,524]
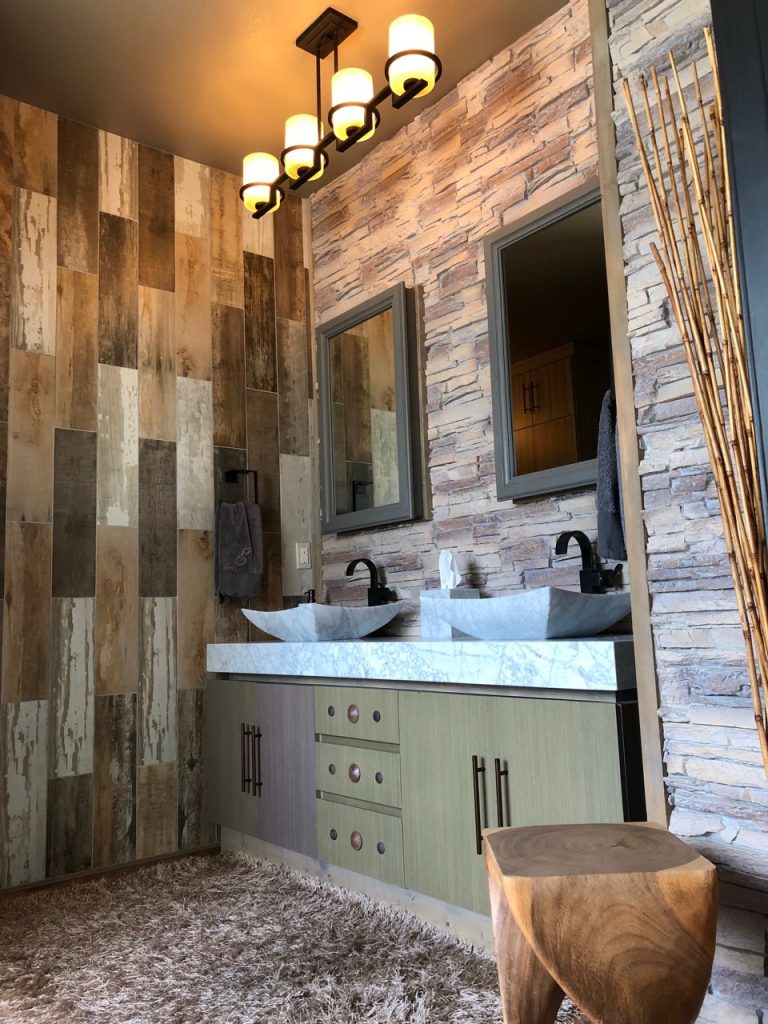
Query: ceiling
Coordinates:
[214,79]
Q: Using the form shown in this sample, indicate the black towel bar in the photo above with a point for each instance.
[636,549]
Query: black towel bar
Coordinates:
[231,475]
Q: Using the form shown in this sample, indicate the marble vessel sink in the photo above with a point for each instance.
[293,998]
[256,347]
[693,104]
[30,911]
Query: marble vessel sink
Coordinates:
[317,622]
[541,613]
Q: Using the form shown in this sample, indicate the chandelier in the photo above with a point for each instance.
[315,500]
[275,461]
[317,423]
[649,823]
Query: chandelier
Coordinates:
[411,70]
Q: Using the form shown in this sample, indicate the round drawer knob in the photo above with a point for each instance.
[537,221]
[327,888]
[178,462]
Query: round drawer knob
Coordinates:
[354,773]
[380,847]
[377,716]
[334,834]
[331,710]
[332,769]
[379,777]
[353,713]
[356,841]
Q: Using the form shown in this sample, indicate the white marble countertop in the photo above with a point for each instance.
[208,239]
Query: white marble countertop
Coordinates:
[596,664]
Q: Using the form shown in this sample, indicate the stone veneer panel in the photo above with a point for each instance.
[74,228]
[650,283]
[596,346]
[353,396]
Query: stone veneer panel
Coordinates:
[513,135]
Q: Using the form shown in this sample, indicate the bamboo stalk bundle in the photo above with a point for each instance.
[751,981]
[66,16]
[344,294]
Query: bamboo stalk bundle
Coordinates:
[685,162]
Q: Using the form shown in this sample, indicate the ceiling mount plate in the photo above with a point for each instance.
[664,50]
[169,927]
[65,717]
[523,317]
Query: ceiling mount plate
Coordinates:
[325,32]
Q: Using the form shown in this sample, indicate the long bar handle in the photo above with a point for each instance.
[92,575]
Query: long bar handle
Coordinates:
[256,755]
[501,773]
[477,770]
[242,757]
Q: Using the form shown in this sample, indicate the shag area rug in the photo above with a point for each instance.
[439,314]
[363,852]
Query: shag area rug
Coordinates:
[230,940]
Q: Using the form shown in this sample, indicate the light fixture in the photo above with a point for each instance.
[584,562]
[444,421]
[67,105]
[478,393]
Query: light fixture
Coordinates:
[412,69]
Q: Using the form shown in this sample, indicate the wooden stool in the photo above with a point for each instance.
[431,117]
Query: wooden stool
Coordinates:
[620,918]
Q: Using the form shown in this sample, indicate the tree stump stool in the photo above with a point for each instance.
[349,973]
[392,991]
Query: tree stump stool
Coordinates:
[620,918]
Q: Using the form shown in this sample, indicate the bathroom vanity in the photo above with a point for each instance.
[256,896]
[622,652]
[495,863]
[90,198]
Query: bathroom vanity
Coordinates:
[387,758]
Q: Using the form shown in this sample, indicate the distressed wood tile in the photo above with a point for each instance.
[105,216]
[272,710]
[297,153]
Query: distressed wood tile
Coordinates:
[114,780]
[193,307]
[72,687]
[292,372]
[194,606]
[35,149]
[231,625]
[118,290]
[226,234]
[258,235]
[3,476]
[310,336]
[157,810]
[117,610]
[192,197]
[118,446]
[7,118]
[156,219]
[306,239]
[70,825]
[264,454]
[77,224]
[224,459]
[74,514]
[33,272]
[118,176]
[271,597]
[157,518]
[23,791]
[157,680]
[30,437]
[296,521]
[5,334]
[157,365]
[195,830]
[77,349]
[290,300]
[228,377]
[194,454]
[260,351]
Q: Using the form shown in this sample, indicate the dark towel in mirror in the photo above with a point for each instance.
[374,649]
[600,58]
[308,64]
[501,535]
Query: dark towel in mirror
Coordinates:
[610,528]
[239,550]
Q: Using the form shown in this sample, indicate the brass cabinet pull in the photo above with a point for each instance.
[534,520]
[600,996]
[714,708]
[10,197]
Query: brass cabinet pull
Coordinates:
[354,773]
[477,770]
[356,841]
[353,713]
[500,774]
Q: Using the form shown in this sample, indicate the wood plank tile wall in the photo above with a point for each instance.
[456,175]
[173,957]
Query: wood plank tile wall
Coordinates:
[138,361]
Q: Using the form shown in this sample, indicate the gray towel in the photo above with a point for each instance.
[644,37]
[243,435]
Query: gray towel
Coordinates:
[610,529]
[239,550]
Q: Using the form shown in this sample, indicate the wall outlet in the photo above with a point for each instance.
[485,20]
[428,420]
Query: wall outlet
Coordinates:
[303,559]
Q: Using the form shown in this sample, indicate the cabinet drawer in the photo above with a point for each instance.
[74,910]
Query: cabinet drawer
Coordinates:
[364,714]
[366,842]
[372,775]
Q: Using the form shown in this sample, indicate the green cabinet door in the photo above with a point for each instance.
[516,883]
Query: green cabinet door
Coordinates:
[561,758]
[280,756]
[439,735]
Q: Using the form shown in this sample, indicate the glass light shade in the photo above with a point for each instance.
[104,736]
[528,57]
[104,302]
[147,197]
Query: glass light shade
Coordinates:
[260,170]
[411,32]
[301,130]
[350,89]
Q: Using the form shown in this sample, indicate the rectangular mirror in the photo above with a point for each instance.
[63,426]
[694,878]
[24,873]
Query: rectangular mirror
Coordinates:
[368,418]
[550,342]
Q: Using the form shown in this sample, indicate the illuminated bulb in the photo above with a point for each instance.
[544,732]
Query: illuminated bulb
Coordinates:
[351,88]
[260,170]
[302,131]
[411,32]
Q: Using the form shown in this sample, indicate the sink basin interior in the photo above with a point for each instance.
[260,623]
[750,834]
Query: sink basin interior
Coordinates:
[317,622]
[541,613]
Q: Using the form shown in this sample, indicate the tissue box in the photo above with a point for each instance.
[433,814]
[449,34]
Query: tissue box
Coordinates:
[432,626]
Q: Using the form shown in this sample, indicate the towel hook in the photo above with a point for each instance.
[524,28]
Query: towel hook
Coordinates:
[231,475]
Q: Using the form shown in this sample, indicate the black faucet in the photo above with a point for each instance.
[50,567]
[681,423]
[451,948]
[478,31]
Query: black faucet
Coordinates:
[592,579]
[377,592]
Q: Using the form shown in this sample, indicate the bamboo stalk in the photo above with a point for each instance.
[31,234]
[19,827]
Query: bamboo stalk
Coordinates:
[689,188]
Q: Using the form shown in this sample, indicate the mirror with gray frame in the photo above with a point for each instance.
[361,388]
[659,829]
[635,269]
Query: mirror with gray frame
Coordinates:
[550,341]
[368,429]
